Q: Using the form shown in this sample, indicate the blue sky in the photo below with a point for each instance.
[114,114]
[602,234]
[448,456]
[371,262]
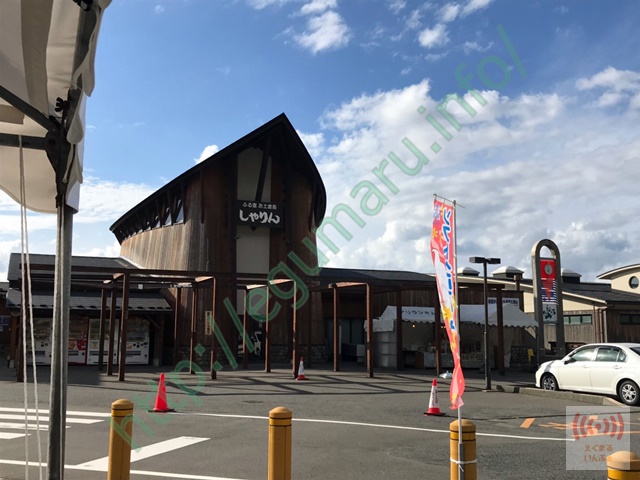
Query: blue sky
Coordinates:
[552,154]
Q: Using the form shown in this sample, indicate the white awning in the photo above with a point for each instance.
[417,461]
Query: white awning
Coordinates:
[47,49]
[512,316]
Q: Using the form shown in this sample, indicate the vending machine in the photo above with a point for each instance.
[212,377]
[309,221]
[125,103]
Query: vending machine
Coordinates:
[137,341]
[94,342]
[78,340]
[42,342]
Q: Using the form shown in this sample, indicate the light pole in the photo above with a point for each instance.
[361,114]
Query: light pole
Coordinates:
[484,261]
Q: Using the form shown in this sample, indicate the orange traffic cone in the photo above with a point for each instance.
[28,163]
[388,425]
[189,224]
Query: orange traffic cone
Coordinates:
[161,398]
[301,370]
[434,408]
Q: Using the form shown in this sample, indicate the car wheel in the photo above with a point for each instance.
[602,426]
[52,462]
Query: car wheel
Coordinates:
[628,393]
[549,382]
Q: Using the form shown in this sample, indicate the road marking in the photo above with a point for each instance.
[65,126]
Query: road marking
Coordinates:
[8,416]
[20,426]
[46,412]
[527,423]
[376,425]
[147,473]
[10,436]
[101,464]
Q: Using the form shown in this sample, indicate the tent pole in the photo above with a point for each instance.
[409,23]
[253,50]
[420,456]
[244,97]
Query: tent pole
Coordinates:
[60,342]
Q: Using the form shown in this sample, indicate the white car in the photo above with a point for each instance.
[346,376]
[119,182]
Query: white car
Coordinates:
[604,368]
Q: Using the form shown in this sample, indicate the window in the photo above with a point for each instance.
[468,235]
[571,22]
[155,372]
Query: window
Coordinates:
[577,319]
[634,282]
[608,354]
[584,354]
[629,318]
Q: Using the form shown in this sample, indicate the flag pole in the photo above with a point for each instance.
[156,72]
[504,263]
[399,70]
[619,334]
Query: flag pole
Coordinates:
[455,269]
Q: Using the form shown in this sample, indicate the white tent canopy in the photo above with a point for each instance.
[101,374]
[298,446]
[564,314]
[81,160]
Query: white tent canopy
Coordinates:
[47,51]
[512,316]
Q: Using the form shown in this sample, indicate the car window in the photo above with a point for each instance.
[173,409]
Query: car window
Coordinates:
[607,354]
[584,354]
[622,356]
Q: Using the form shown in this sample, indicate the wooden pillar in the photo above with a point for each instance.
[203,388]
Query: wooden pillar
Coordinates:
[308,361]
[123,327]
[437,336]
[194,338]
[369,333]
[294,334]
[214,345]
[245,357]
[176,323]
[19,360]
[399,325]
[103,320]
[336,329]
[112,329]
[500,319]
[13,346]
[267,340]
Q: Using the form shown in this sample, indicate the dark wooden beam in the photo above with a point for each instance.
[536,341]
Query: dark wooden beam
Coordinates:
[370,356]
[336,330]
[103,321]
[112,331]
[399,328]
[123,328]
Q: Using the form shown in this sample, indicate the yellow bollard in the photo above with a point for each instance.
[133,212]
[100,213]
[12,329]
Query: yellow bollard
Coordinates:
[280,444]
[623,466]
[469,450]
[120,440]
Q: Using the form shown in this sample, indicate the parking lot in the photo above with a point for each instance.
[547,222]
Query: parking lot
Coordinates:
[346,425]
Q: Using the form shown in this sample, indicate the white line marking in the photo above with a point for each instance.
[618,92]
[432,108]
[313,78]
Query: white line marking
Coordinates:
[17,426]
[46,412]
[7,416]
[102,464]
[133,472]
[10,436]
[376,425]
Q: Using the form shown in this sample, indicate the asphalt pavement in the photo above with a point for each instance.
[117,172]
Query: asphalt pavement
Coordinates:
[346,425]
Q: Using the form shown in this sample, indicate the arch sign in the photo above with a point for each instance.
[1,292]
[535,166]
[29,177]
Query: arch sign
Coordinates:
[547,296]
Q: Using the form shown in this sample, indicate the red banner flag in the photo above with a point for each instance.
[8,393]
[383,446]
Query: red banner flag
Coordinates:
[443,255]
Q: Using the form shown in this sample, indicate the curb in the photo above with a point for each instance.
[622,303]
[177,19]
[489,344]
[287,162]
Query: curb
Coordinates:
[578,397]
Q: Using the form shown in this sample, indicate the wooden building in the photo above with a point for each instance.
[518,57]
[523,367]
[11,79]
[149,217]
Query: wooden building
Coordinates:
[592,311]
[250,211]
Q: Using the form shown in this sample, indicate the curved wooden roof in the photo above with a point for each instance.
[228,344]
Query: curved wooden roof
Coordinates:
[283,134]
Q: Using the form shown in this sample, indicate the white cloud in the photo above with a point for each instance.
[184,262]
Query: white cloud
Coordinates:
[397,5]
[414,20]
[318,6]
[469,47]
[260,4]
[519,166]
[207,152]
[449,12]
[475,5]
[159,9]
[224,70]
[325,32]
[618,86]
[434,37]
[314,142]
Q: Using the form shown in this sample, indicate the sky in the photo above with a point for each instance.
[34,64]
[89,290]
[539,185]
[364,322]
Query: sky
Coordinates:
[539,136]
